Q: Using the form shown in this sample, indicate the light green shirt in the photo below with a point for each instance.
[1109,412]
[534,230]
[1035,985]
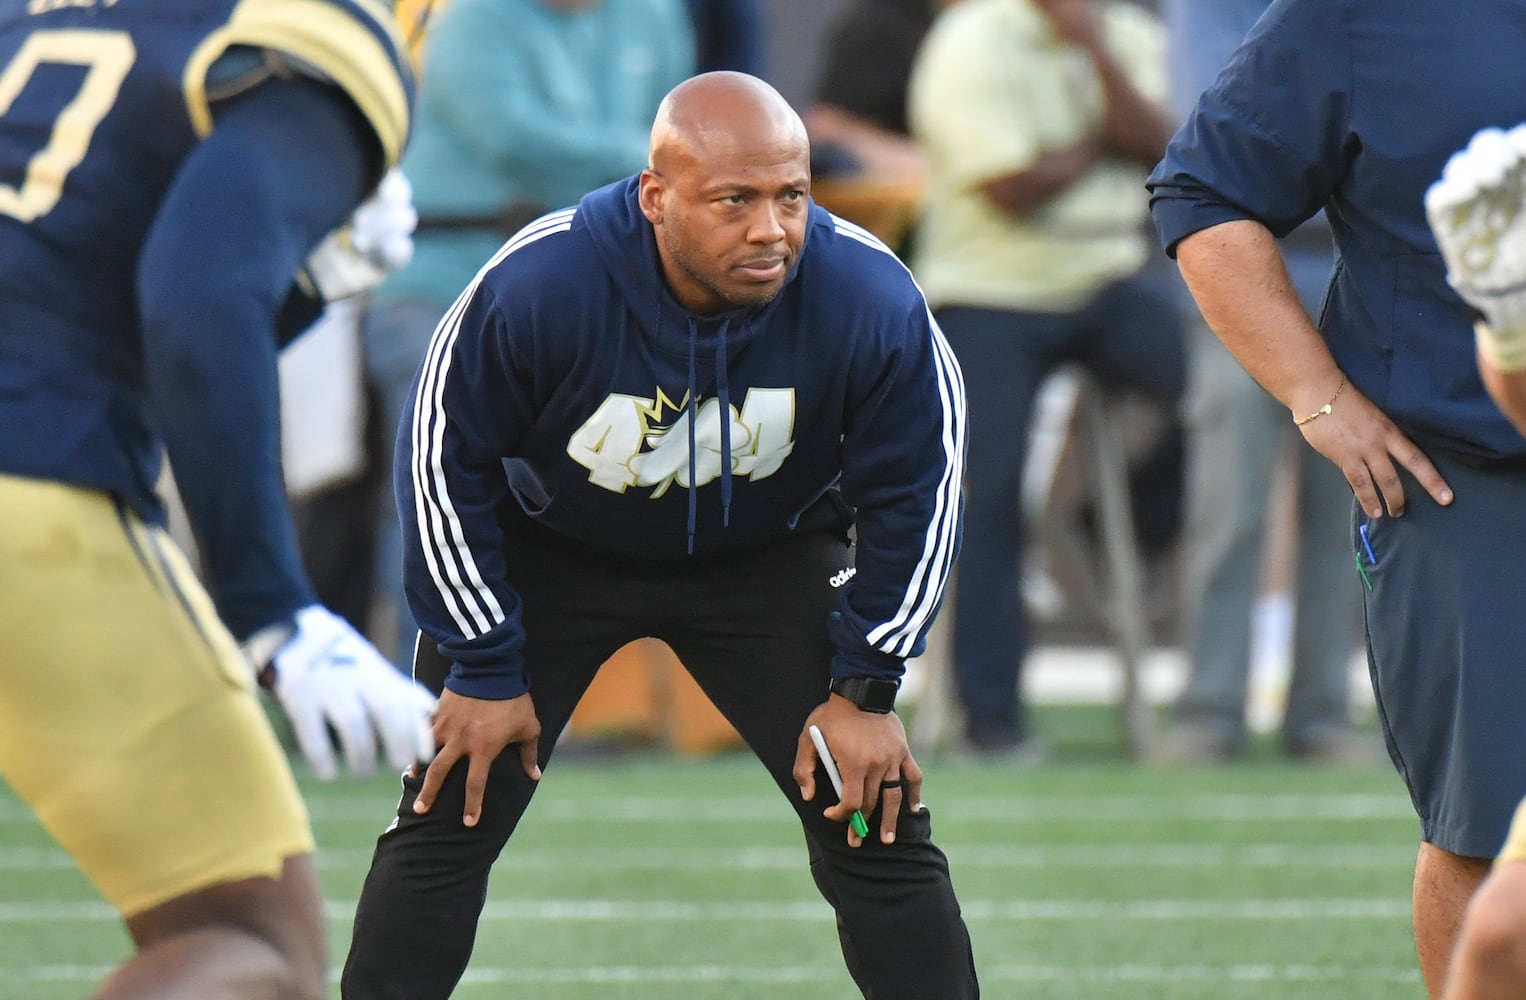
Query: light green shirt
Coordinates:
[993,88]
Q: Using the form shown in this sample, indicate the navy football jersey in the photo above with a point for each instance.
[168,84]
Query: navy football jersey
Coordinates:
[100,102]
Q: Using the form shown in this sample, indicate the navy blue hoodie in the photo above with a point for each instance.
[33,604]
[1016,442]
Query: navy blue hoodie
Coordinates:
[566,379]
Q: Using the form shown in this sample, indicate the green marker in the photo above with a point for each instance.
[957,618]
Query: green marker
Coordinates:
[857,821]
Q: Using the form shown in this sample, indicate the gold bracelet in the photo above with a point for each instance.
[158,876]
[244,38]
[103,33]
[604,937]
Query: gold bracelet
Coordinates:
[1300,421]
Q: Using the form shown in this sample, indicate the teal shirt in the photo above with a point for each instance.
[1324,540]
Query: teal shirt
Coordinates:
[522,102]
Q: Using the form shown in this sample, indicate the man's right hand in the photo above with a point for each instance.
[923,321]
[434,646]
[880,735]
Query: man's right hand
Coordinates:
[478,730]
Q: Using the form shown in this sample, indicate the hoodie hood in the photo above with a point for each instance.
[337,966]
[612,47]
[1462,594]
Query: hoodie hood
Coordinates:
[708,343]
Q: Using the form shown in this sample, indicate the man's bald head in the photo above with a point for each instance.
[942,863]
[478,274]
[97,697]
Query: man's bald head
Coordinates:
[719,114]
[727,191]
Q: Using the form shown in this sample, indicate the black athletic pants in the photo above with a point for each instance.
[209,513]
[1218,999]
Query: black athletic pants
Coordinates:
[751,629]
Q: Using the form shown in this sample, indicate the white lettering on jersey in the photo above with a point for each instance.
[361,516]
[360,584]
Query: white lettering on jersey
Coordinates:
[624,443]
[842,576]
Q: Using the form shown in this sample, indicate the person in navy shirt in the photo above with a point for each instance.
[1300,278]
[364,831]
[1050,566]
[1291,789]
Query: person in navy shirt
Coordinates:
[1238,438]
[1354,106]
[661,412]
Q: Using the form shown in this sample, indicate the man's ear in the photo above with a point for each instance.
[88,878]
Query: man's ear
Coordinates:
[653,196]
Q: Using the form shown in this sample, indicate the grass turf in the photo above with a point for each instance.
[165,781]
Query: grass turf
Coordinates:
[653,878]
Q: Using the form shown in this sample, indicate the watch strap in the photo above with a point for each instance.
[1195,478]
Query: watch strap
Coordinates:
[870,694]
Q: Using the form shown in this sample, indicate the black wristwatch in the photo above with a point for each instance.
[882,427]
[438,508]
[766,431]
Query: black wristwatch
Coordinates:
[871,694]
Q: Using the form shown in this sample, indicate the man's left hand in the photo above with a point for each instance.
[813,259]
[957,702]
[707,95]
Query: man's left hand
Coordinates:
[873,758]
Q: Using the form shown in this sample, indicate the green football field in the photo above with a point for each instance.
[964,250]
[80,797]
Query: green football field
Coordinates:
[655,878]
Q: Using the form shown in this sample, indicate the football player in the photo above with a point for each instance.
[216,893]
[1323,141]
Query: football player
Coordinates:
[166,167]
[1478,212]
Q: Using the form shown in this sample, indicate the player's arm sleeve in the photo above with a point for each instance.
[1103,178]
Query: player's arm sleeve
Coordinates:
[216,268]
[1270,140]
[481,81]
[450,484]
[903,464]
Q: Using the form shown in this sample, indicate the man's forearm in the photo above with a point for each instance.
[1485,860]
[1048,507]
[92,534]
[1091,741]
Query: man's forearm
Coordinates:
[1236,273]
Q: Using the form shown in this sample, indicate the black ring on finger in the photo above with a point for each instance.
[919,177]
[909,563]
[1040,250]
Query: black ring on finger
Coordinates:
[887,785]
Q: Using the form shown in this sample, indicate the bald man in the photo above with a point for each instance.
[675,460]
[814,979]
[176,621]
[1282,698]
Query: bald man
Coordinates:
[659,413]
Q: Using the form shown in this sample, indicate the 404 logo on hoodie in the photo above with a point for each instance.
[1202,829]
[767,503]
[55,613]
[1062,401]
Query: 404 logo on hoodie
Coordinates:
[625,443]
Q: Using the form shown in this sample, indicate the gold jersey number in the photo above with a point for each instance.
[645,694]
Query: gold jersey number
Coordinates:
[107,57]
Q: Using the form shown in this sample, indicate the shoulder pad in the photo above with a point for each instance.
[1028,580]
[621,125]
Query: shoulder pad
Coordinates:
[343,42]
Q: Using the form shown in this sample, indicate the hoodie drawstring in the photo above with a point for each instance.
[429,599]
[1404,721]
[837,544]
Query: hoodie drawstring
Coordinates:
[693,414]
[723,396]
[723,402]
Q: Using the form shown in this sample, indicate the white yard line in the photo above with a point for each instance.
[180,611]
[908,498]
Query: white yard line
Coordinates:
[1011,808]
[487,975]
[988,973]
[964,855]
[680,911]
[1021,911]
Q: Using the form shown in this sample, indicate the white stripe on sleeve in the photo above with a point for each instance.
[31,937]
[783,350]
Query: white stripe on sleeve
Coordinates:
[469,600]
[898,635]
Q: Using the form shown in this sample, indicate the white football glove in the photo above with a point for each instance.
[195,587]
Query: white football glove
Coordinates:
[327,676]
[376,241]
[1477,211]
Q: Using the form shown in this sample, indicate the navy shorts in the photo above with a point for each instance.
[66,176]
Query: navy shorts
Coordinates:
[1446,646]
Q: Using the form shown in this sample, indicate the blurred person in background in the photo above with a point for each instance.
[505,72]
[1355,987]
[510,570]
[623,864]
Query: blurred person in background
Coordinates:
[866,62]
[864,164]
[1040,119]
[1239,439]
[523,106]
[169,170]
